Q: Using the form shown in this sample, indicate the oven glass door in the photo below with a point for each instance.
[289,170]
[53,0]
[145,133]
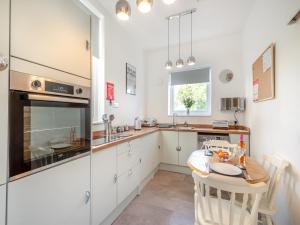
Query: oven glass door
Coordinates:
[44,131]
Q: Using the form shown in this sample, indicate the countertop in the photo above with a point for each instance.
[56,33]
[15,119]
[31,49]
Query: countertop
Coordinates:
[99,142]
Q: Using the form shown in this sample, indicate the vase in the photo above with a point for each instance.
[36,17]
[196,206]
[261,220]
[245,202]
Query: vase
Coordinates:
[187,111]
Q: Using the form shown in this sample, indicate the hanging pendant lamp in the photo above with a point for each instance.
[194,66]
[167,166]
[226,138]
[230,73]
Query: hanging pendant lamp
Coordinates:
[191,60]
[169,63]
[144,6]
[123,10]
[169,2]
[179,62]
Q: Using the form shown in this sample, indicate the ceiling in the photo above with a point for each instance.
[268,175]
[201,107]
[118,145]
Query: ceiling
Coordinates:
[213,18]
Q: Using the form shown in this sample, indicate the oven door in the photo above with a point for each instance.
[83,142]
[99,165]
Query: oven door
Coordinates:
[45,130]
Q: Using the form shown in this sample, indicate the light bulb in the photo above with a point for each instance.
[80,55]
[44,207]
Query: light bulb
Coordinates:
[123,10]
[144,5]
[168,65]
[191,61]
[179,63]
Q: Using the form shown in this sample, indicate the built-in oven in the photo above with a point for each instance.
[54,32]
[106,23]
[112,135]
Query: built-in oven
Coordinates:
[49,123]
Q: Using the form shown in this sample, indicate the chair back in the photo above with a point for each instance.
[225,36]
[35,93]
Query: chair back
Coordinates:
[214,145]
[275,167]
[218,210]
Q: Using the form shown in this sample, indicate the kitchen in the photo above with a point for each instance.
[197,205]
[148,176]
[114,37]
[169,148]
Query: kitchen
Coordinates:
[73,74]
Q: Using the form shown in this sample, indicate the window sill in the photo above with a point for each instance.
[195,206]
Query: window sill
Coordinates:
[191,115]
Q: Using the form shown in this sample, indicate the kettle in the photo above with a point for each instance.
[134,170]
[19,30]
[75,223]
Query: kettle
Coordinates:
[137,123]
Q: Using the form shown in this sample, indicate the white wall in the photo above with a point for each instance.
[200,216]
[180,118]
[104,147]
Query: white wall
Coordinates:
[275,124]
[121,47]
[219,53]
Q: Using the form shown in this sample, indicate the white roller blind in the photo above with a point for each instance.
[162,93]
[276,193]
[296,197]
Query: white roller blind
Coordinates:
[190,76]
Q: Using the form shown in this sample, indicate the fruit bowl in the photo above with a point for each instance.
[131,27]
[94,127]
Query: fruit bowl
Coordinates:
[225,155]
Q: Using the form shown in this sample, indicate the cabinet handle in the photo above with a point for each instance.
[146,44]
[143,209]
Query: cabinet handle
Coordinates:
[115,178]
[130,172]
[178,148]
[87,197]
[87,45]
[3,62]
[140,160]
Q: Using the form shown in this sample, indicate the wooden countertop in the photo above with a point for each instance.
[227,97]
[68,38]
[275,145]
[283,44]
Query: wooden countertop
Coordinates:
[192,128]
[199,162]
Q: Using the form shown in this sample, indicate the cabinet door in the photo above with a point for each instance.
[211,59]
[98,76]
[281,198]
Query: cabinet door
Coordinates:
[188,144]
[53,33]
[2,204]
[57,196]
[4,51]
[104,187]
[169,154]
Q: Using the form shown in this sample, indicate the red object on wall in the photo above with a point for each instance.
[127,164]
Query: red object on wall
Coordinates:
[110,95]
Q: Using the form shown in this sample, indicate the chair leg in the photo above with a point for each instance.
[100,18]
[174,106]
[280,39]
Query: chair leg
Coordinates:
[269,220]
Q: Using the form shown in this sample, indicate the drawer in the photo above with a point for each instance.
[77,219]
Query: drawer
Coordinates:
[123,148]
[126,161]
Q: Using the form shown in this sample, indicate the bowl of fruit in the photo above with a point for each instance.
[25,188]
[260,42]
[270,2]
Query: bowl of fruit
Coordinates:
[224,155]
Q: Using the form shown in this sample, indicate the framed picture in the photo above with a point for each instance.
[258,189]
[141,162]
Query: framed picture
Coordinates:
[130,79]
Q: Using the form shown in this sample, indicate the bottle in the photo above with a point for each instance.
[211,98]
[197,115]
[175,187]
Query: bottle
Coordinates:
[242,149]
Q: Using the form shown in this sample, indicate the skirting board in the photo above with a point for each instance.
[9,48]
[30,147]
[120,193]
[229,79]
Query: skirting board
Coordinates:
[175,168]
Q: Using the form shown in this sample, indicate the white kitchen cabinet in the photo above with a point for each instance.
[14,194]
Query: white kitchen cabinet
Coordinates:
[53,33]
[57,196]
[177,146]
[104,184]
[150,154]
[2,204]
[169,153]
[188,144]
[4,52]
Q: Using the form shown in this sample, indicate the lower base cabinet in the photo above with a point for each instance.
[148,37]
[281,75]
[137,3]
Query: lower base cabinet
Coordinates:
[57,196]
[2,204]
[104,184]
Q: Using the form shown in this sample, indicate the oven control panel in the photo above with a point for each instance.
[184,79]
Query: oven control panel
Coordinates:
[30,83]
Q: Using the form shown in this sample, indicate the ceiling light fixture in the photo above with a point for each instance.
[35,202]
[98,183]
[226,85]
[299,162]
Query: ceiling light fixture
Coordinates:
[169,2]
[144,5]
[179,62]
[123,10]
[169,63]
[191,60]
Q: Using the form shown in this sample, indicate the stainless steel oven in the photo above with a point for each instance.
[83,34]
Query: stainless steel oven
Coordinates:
[49,123]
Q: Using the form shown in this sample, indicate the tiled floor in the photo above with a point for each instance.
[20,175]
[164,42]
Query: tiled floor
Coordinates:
[166,200]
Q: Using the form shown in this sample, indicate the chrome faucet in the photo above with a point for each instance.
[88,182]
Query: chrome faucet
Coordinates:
[174,120]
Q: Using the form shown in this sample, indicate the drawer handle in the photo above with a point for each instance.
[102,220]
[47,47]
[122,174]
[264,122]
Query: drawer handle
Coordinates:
[87,197]
[115,178]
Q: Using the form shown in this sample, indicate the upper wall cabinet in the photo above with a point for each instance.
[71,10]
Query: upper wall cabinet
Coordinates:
[52,33]
[4,54]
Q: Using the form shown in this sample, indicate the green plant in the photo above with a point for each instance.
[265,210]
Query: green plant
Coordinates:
[188,101]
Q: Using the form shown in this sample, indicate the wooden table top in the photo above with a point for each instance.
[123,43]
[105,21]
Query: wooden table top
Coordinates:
[199,162]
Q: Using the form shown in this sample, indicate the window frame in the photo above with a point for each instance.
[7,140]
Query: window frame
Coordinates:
[192,113]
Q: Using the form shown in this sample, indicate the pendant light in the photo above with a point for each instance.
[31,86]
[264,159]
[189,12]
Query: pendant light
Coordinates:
[144,5]
[168,64]
[191,60]
[169,2]
[179,62]
[123,10]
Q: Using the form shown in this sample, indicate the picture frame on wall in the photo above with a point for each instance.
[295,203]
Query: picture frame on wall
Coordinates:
[130,79]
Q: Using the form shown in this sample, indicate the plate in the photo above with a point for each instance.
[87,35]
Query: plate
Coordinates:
[60,146]
[225,168]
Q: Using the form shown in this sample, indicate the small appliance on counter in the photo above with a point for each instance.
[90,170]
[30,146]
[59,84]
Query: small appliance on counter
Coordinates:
[220,124]
[137,123]
[149,122]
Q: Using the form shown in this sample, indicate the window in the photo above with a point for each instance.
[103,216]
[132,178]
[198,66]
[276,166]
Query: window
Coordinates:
[190,89]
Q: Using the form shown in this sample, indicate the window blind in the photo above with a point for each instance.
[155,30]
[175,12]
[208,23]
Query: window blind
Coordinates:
[190,76]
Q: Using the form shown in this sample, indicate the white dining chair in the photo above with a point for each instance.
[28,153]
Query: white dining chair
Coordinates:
[215,210]
[214,145]
[275,167]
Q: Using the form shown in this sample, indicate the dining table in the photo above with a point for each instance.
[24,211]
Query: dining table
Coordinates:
[252,171]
